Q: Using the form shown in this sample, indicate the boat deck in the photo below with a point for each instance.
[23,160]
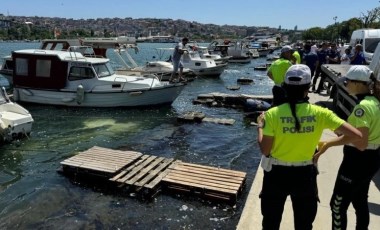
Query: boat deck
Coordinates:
[149,175]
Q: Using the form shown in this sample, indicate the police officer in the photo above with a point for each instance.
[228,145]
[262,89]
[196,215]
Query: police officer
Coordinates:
[276,72]
[361,161]
[287,136]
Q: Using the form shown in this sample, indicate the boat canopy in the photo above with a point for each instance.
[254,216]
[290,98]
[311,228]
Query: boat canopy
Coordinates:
[39,71]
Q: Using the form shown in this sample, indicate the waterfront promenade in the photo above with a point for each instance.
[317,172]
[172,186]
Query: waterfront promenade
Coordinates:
[328,167]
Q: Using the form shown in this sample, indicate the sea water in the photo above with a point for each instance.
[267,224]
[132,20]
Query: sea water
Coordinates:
[34,196]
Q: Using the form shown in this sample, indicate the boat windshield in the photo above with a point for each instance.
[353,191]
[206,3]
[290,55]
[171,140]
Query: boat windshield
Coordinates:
[3,98]
[104,70]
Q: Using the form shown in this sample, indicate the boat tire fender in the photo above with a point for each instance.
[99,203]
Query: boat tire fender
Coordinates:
[80,94]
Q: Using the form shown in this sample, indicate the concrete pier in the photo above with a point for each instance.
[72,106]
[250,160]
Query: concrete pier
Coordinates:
[328,167]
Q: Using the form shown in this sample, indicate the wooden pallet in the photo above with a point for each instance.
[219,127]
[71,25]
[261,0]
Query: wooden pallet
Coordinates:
[148,175]
[100,160]
[208,182]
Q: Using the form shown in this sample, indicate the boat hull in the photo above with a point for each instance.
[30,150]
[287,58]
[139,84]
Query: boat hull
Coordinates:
[240,60]
[131,98]
[15,121]
[211,71]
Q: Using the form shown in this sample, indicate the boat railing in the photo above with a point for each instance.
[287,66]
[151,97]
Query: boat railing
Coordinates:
[75,56]
[86,51]
[124,50]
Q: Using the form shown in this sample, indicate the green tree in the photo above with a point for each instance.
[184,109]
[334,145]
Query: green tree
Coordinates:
[313,34]
[368,20]
[347,27]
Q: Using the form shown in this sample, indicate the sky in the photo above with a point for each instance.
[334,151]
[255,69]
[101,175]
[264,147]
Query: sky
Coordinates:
[287,14]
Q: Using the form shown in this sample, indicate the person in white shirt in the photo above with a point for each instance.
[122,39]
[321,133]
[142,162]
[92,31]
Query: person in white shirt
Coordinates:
[345,59]
[314,48]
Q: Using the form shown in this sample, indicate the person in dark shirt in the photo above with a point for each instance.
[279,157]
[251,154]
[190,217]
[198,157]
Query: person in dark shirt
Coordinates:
[358,57]
[310,59]
[333,55]
[322,54]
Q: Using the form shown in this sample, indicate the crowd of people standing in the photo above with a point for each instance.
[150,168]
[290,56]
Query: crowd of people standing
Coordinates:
[314,55]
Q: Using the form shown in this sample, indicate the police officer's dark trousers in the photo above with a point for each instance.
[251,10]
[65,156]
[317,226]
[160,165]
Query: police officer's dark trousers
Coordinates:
[352,185]
[298,182]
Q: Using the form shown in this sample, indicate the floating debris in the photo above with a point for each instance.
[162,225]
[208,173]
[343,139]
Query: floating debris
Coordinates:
[233,87]
[192,117]
[201,117]
[234,101]
[244,81]
[261,68]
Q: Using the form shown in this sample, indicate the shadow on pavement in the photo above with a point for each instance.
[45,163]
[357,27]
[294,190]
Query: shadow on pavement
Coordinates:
[376,179]
[375,208]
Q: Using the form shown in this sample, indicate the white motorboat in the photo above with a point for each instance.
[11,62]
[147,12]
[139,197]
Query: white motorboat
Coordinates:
[200,66]
[235,51]
[120,49]
[240,56]
[69,78]
[162,69]
[15,121]
[260,47]
[206,54]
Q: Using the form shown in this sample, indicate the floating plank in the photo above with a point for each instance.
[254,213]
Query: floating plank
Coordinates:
[192,116]
[223,121]
[200,117]
[244,81]
[125,171]
[165,163]
[136,169]
[233,87]
[146,172]
[161,175]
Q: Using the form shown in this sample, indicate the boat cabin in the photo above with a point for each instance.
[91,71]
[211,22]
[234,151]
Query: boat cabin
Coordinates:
[47,69]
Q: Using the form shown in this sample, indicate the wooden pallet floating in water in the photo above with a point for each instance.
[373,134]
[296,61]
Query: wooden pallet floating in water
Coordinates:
[209,182]
[149,175]
[102,160]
